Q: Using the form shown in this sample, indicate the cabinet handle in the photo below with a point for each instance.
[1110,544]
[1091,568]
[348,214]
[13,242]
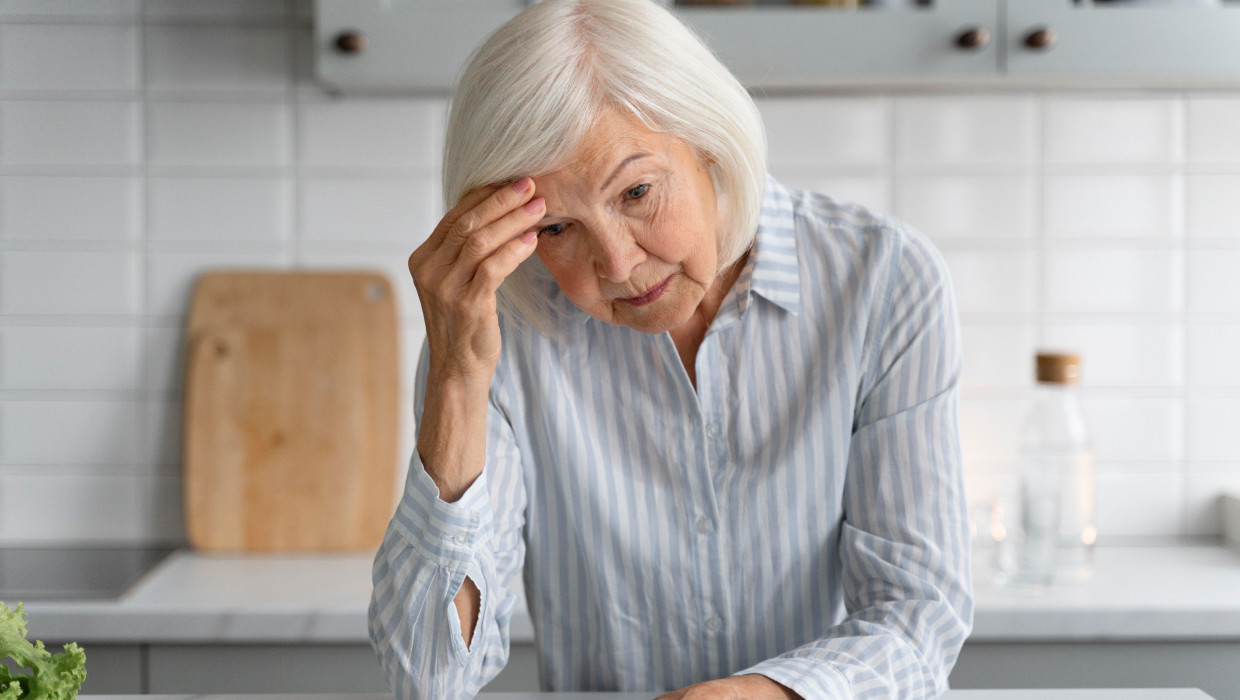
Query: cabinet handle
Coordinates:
[1041,39]
[973,38]
[351,42]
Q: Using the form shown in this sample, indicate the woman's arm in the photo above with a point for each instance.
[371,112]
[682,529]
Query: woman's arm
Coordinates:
[438,560]
[432,553]
[904,545]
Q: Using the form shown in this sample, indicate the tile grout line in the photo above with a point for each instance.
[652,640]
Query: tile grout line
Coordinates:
[1182,309]
[293,187]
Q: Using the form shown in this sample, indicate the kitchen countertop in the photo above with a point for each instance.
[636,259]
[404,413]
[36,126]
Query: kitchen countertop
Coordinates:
[1067,694]
[1138,593]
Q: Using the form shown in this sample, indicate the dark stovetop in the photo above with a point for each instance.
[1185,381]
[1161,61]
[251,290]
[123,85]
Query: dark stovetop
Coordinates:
[72,573]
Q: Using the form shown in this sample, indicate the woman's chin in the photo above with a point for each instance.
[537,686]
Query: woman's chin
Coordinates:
[653,319]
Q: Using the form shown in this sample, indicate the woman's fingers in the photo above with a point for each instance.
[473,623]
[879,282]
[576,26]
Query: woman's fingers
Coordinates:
[471,199]
[492,271]
[482,242]
[465,220]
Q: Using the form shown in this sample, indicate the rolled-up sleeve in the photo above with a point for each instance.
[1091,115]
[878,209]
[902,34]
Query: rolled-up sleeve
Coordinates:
[904,545]
[429,548]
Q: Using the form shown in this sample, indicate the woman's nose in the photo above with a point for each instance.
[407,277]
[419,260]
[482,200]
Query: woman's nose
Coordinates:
[615,256]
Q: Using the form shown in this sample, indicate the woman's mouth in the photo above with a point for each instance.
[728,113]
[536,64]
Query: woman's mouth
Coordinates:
[650,295]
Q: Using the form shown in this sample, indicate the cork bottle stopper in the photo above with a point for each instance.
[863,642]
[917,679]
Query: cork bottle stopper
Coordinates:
[1058,368]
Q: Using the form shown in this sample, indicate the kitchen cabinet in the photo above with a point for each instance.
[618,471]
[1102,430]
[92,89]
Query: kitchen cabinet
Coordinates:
[421,45]
[1137,43]
[1150,616]
[353,668]
[193,669]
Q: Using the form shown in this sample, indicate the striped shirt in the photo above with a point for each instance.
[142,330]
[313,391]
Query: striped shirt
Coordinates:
[800,514]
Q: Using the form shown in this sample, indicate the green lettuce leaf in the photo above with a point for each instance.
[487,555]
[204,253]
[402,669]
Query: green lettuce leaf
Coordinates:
[51,677]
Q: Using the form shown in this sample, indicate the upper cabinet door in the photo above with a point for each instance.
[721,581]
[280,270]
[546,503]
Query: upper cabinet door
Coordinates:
[401,45]
[421,45]
[892,42]
[1165,42]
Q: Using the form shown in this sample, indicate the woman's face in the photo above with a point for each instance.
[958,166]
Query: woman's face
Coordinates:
[631,231]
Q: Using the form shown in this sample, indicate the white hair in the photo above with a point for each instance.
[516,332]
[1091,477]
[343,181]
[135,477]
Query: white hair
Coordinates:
[535,87]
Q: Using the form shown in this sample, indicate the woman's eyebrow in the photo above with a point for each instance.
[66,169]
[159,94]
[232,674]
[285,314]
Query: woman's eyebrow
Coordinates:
[626,161]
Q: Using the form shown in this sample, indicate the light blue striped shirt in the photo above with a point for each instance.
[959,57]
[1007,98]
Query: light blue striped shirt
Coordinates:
[801,514]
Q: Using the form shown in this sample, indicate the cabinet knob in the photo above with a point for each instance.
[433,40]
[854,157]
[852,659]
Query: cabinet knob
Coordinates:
[350,42]
[1041,39]
[973,38]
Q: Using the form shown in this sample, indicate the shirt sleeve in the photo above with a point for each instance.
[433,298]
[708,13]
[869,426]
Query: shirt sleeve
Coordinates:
[904,541]
[429,548]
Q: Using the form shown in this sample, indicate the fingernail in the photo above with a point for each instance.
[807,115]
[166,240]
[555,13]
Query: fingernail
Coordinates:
[534,205]
[522,185]
[529,237]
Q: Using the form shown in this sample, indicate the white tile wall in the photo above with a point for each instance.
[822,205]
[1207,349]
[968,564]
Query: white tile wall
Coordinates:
[1088,130]
[242,134]
[955,130]
[70,358]
[68,57]
[1212,135]
[52,283]
[997,207]
[103,433]
[1122,354]
[1112,280]
[72,9]
[993,282]
[1214,355]
[359,133]
[843,132]
[171,275]
[1213,207]
[47,208]
[69,132]
[221,10]
[366,209]
[144,142]
[198,57]
[1213,285]
[1112,206]
[218,209]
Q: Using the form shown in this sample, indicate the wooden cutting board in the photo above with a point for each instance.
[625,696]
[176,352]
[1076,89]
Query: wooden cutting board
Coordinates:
[291,411]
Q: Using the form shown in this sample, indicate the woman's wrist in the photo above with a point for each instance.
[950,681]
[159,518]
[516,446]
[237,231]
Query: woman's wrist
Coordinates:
[452,433]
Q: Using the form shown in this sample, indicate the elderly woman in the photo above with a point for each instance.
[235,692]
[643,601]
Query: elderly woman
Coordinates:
[718,439]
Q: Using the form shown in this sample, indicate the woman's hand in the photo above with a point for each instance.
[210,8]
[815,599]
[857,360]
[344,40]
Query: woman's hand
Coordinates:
[457,270]
[751,686]
[459,267]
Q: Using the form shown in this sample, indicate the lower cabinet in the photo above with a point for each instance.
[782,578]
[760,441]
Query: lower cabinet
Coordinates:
[198,669]
[263,668]
[110,669]
[1211,666]
[353,668]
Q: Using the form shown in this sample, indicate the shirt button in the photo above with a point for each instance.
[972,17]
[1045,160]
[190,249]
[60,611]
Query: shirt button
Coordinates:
[703,525]
[712,430]
[714,624]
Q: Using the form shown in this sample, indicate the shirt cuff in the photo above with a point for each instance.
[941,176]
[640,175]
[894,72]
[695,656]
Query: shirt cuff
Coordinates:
[447,533]
[809,678]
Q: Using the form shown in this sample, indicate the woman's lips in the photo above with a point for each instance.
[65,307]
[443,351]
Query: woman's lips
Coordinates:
[654,293]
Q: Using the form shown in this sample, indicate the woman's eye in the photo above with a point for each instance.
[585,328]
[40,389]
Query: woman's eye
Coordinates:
[552,230]
[637,192]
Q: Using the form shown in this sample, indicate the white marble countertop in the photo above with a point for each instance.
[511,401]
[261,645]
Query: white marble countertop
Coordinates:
[1067,694]
[1146,593]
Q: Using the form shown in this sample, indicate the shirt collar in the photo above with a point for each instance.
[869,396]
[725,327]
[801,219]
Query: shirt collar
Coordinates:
[772,268]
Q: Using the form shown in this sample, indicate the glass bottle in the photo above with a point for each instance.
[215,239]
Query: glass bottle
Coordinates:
[1056,480]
